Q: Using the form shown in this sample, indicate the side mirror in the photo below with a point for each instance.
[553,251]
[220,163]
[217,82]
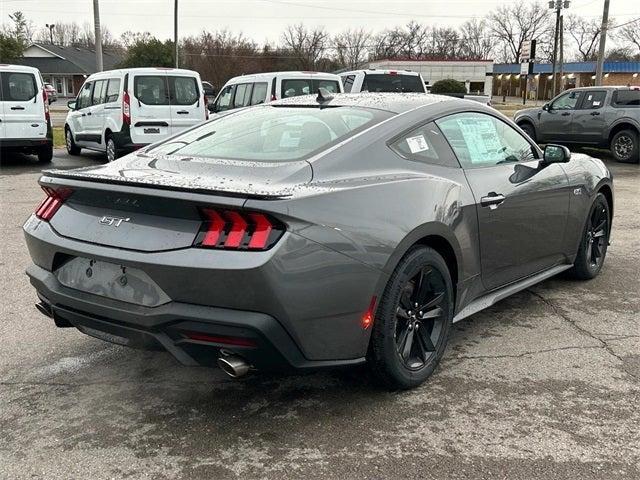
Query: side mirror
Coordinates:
[71,104]
[556,154]
[546,107]
[212,108]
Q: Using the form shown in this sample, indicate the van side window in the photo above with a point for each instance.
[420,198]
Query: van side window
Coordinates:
[243,95]
[184,90]
[151,89]
[347,82]
[84,97]
[113,90]
[18,87]
[224,99]
[98,92]
[259,94]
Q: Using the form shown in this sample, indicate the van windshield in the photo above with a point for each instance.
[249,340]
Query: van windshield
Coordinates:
[387,82]
[17,87]
[272,133]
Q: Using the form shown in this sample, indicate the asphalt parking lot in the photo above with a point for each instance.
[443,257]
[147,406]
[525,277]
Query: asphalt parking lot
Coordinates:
[545,384]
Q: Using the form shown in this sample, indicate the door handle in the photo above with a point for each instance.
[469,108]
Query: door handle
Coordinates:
[17,108]
[565,114]
[183,112]
[492,200]
[595,113]
[88,113]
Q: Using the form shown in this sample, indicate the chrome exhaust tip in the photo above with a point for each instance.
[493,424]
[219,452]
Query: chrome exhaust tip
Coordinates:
[233,365]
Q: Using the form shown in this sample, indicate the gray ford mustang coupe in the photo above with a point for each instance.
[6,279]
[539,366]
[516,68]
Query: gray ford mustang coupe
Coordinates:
[316,232]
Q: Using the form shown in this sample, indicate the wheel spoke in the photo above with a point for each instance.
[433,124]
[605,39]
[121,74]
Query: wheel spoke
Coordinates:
[420,290]
[401,313]
[589,251]
[599,233]
[431,314]
[597,252]
[407,344]
[433,302]
[425,340]
[405,299]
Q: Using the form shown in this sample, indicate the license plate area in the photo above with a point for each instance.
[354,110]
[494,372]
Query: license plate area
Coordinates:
[110,280]
[152,130]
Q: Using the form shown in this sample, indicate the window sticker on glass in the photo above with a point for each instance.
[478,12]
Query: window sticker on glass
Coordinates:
[417,144]
[596,104]
[590,97]
[481,138]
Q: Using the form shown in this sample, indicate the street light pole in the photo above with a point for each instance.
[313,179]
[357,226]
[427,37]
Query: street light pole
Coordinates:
[175,31]
[603,41]
[98,35]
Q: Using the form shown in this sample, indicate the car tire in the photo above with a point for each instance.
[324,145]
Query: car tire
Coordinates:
[625,146]
[111,150]
[407,345]
[72,148]
[529,130]
[594,241]
[45,154]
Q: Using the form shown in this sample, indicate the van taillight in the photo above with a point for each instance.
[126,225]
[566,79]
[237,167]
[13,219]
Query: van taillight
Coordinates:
[234,230]
[53,201]
[45,101]
[126,109]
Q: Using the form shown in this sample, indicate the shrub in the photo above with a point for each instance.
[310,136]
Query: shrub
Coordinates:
[448,85]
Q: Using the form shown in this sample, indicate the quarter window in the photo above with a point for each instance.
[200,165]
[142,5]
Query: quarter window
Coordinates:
[480,140]
[626,98]
[347,82]
[425,144]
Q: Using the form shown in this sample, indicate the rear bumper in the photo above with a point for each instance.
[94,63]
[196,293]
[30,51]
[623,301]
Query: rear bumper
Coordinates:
[31,143]
[168,326]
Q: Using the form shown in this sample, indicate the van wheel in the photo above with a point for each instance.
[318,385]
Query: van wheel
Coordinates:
[112,150]
[45,154]
[72,148]
[625,146]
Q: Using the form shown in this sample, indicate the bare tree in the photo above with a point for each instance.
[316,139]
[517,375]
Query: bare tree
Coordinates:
[446,43]
[412,41]
[306,46]
[630,35]
[514,23]
[585,34]
[477,43]
[351,47]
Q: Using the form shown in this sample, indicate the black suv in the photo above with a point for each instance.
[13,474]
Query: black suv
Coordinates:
[600,116]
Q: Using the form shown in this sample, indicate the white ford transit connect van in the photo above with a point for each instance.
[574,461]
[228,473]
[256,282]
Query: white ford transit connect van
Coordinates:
[248,90]
[24,113]
[373,80]
[119,111]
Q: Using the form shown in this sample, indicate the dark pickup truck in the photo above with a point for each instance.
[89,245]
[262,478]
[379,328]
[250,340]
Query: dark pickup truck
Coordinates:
[606,117]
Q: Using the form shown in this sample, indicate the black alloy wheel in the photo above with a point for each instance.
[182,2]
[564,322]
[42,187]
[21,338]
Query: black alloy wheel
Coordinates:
[594,241]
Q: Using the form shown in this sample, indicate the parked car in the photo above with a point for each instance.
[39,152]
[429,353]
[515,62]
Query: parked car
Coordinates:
[25,125]
[209,91]
[119,111]
[247,90]
[52,94]
[372,80]
[314,232]
[607,117]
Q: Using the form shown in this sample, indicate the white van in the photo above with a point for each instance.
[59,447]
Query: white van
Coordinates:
[248,90]
[373,80]
[119,111]
[25,125]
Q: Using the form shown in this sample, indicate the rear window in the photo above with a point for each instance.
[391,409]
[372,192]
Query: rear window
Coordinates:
[184,90]
[626,98]
[296,87]
[151,89]
[386,82]
[273,134]
[17,87]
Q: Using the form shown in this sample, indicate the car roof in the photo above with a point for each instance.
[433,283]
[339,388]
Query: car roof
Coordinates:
[391,102]
[143,70]
[290,74]
[18,68]
[383,71]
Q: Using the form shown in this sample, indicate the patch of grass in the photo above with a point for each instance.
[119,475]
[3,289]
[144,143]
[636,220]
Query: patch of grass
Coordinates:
[58,137]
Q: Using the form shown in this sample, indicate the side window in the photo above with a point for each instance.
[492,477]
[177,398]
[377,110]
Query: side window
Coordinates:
[425,144]
[480,140]
[330,86]
[113,90]
[347,82]
[151,89]
[568,101]
[626,98]
[184,90]
[84,97]
[259,94]
[98,92]
[224,99]
[243,95]
[593,100]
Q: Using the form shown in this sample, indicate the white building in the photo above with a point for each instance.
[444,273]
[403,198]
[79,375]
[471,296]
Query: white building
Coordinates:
[477,75]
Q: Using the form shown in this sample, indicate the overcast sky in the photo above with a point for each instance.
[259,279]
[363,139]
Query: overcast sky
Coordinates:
[265,19]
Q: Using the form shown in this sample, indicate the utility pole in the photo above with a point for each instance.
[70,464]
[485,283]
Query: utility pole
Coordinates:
[98,34]
[561,75]
[603,41]
[175,31]
[50,27]
[558,5]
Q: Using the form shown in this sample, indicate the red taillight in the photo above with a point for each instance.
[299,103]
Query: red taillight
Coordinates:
[235,341]
[51,204]
[126,108]
[45,101]
[230,229]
